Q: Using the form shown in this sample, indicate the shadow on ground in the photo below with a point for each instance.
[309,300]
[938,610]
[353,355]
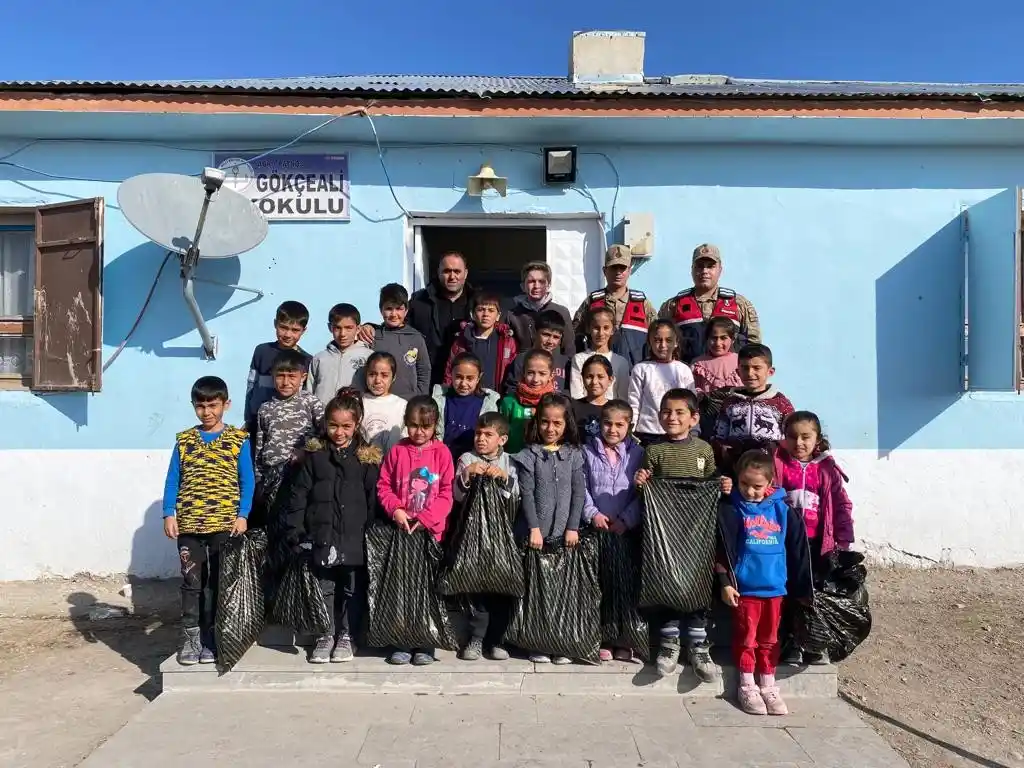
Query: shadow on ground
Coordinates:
[952,748]
[143,633]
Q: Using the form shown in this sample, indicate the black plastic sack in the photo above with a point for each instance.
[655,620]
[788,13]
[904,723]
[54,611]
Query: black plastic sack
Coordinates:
[299,601]
[619,576]
[240,606]
[840,618]
[405,609]
[483,556]
[676,565]
[560,612]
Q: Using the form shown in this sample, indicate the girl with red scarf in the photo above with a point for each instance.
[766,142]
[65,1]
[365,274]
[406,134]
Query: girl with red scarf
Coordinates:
[519,406]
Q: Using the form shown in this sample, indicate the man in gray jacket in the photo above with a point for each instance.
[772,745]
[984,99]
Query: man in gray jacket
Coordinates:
[341,364]
[403,342]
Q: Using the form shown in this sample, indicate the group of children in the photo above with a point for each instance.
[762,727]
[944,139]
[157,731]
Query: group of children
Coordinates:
[352,433]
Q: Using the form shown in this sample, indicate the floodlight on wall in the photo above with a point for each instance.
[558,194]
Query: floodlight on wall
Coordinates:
[559,165]
[486,179]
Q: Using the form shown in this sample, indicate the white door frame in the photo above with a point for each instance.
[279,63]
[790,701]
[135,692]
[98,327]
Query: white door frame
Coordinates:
[414,278]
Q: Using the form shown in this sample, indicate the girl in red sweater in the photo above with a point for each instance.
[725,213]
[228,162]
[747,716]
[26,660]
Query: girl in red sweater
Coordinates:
[815,488]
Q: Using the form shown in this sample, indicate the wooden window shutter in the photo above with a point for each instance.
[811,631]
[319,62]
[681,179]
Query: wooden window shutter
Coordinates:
[68,297]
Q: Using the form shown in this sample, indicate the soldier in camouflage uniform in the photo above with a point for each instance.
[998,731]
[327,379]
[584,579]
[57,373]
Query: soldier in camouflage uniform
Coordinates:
[633,311]
[693,308]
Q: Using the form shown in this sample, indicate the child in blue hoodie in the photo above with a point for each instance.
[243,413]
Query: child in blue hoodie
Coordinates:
[764,556]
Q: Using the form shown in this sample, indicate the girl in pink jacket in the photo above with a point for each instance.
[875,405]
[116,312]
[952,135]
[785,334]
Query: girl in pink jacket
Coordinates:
[719,366]
[815,488]
[415,489]
[415,485]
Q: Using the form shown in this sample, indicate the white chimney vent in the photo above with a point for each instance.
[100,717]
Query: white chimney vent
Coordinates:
[607,58]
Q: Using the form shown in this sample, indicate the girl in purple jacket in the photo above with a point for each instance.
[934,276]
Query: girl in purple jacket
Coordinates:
[815,488]
[609,463]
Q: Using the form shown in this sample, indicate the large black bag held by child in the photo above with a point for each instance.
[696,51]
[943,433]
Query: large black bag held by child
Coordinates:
[240,608]
[405,609]
[483,556]
[299,601]
[840,618]
[680,517]
[619,574]
[560,613]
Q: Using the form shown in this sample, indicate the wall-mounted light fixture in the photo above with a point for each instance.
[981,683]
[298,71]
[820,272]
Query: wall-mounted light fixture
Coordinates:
[559,165]
[486,179]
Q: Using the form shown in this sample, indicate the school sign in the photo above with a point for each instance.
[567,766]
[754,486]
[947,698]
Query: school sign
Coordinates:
[290,187]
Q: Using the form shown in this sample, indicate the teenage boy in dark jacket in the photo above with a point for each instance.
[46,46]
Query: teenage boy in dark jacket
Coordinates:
[333,498]
[402,342]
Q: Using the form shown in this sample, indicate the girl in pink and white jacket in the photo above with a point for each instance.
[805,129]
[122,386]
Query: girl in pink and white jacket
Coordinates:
[815,488]
[415,489]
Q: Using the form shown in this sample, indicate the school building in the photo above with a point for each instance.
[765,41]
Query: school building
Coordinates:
[876,227]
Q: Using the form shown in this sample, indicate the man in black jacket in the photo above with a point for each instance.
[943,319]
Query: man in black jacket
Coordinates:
[438,311]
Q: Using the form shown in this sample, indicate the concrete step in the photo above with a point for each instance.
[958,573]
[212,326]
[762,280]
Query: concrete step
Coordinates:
[284,668]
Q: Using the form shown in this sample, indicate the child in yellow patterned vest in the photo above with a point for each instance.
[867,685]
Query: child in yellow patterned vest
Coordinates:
[207,498]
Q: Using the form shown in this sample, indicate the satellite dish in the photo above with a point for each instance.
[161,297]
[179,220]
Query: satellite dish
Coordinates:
[165,207]
[193,218]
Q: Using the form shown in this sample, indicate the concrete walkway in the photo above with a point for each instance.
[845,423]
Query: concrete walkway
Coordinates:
[260,729]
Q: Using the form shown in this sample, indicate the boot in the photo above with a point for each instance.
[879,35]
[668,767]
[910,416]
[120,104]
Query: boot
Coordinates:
[191,647]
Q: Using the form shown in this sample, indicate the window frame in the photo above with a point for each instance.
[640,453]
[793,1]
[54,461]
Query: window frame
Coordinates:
[67,281]
[21,219]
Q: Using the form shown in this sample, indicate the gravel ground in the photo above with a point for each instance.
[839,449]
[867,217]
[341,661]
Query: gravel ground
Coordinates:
[941,677]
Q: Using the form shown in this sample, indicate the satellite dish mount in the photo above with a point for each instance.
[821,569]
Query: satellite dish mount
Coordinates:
[162,206]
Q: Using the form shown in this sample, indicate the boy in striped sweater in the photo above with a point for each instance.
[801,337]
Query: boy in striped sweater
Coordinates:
[681,455]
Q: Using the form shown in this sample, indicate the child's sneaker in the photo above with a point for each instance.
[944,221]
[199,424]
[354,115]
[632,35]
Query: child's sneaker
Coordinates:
[605,654]
[343,650]
[191,647]
[422,659]
[668,656]
[540,658]
[399,658]
[699,656]
[622,654]
[750,700]
[561,660]
[321,653]
[208,654]
[817,659]
[497,653]
[773,703]
[792,656]
[473,651]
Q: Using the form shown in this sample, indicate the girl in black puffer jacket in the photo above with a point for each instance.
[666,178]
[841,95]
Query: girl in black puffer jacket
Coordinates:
[333,498]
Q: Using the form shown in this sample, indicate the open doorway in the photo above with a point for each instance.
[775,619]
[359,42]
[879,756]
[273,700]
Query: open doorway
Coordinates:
[497,246]
[495,255]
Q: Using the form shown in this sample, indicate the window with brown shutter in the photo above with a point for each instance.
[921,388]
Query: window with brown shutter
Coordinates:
[51,268]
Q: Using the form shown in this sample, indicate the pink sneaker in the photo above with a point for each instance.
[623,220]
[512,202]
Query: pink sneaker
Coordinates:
[773,702]
[605,654]
[623,654]
[751,701]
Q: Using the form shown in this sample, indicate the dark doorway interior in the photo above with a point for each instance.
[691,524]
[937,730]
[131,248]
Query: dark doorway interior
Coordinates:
[495,255]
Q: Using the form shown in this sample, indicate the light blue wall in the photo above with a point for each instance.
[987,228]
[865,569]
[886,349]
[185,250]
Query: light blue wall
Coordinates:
[852,255]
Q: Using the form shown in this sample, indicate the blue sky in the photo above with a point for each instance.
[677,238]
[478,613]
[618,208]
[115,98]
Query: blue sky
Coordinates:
[939,40]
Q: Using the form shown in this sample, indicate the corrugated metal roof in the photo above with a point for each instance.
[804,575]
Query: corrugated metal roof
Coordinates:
[436,86]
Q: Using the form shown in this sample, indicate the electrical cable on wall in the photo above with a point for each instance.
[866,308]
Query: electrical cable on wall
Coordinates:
[138,318]
[582,189]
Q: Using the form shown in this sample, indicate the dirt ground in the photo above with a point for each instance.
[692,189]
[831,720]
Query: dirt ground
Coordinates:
[941,677]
